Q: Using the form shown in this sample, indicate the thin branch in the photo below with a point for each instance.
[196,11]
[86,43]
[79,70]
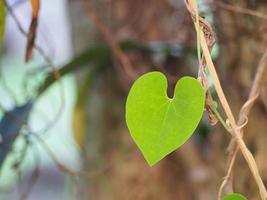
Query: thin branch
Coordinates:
[236,129]
[48,61]
[37,47]
[63,168]
[226,180]
[238,9]
[108,36]
[34,177]
[244,112]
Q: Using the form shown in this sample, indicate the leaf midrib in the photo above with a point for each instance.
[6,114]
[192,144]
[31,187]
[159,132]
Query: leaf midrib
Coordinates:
[162,126]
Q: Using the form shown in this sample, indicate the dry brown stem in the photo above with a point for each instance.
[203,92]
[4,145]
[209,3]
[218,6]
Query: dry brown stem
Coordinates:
[238,9]
[243,115]
[47,59]
[107,34]
[236,128]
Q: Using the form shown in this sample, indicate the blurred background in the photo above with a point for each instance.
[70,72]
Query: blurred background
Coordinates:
[74,144]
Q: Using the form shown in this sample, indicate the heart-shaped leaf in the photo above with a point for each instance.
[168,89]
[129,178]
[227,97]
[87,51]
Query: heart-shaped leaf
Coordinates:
[157,123]
[234,196]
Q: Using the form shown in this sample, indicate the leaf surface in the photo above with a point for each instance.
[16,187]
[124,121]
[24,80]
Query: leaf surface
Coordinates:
[234,196]
[157,123]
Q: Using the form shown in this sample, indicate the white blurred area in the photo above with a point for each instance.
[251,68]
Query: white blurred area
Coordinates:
[54,36]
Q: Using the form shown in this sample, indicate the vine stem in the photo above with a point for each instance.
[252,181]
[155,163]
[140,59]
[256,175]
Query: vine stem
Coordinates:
[216,80]
[111,40]
[244,112]
[236,130]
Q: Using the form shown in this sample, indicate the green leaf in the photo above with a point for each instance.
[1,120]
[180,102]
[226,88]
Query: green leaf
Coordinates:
[2,24]
[157,123]
[234,196]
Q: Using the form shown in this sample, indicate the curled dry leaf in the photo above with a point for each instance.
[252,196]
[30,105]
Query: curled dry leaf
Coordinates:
[210,39]
[35,4]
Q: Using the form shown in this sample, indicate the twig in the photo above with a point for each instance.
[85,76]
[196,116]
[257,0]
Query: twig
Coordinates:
[226,179]
[63,168]
[37,47]
[48,61]
[235,129]
[238,9]
[243,115]
[34,177]
[236,133]
[107,34]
